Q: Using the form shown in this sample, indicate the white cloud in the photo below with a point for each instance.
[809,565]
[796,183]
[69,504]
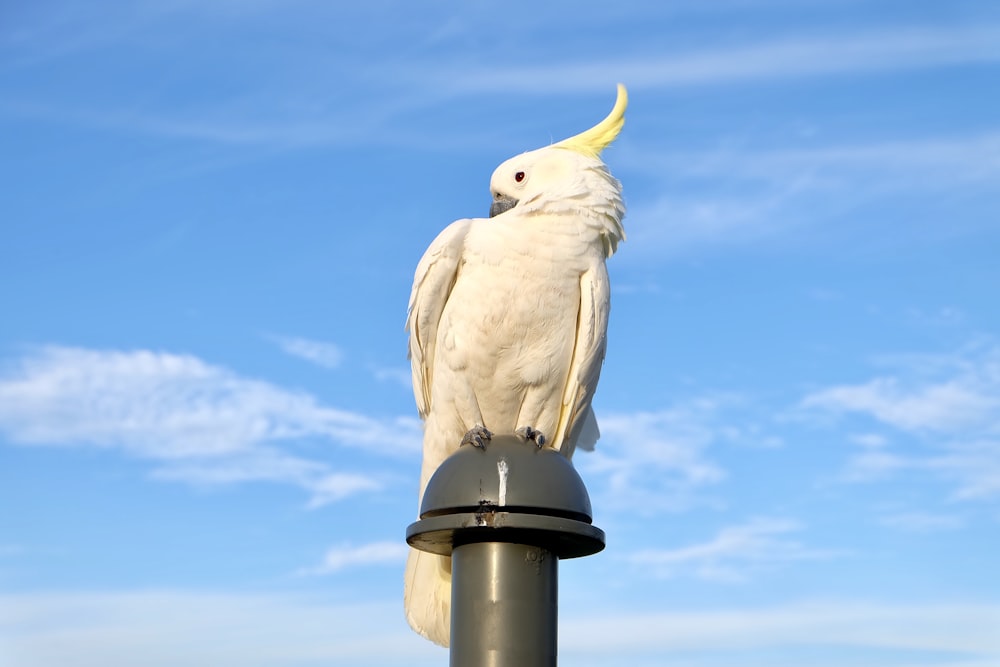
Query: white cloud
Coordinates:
[921,522]
[940,407]
[346,556]
[931,161]
[263,465]
[317,352]
[678,223]
[660,460]
[653,460]
[201,423]
[870,441]
[941,394]
[734,553]
[169,628]
[720,197]
[811,56]
[400,376]
[944,408]
[331,487]
[966,629]
[285,112]
[166,406]
[973,467]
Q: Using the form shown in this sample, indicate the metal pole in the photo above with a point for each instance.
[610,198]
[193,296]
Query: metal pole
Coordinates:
[504,605]
[505,514]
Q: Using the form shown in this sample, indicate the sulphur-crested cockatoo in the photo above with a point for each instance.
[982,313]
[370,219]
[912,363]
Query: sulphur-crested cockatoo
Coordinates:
[507,322]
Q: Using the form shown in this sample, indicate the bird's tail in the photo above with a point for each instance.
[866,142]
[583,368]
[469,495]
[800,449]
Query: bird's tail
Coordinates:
[427,595]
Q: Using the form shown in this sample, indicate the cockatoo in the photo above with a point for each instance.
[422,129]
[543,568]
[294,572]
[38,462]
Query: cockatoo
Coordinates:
[507,322]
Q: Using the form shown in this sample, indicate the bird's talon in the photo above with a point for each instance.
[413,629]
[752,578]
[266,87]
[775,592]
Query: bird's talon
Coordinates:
[529,433]
[477,436]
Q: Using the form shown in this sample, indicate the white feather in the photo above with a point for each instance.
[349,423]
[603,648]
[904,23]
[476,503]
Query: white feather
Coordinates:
[507,323]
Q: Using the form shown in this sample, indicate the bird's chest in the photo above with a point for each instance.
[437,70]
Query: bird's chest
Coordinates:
[513,303]
[501,304]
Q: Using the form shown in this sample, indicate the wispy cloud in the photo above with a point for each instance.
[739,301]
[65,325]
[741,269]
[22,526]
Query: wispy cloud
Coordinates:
[947,407]
[201,423]
[735,195]
[827,54]
[346,556]
[966,629]
[400,376]
[958,403]
[279,113]
[972,467]
[921,522]
[661,460]
[675,224]
[734,554]
[108,629]
[169,628]
[655,460]
[321,353]
[942,394]
[265,465]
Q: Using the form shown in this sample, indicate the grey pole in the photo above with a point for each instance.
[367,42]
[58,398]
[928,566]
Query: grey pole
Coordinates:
[503,605]
[505,514]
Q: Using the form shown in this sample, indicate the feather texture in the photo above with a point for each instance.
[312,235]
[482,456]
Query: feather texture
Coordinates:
[507,323]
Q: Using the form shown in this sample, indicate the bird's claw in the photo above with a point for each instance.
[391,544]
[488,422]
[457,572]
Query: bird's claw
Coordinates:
[529,433]
[477,436]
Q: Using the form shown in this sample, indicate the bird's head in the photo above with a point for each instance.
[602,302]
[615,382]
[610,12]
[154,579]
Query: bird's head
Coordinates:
[567,178]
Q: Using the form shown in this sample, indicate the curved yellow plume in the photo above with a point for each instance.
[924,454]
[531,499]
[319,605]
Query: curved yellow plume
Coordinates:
[596,139]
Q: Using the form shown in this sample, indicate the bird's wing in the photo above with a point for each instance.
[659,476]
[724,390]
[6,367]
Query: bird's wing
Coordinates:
[578,426]
[432,283]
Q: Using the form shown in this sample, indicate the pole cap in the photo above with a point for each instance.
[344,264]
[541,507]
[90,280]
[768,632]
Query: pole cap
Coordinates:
[509,491]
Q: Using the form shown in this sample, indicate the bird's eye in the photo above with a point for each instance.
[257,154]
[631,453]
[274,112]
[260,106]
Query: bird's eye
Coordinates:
[519,176]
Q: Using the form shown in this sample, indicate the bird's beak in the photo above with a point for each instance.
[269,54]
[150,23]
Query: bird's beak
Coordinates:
[500,204]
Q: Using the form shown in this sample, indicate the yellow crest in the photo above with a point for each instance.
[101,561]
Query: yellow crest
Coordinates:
[596,139]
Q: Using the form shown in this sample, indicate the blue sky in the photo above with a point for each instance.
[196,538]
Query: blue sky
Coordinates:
[209,221]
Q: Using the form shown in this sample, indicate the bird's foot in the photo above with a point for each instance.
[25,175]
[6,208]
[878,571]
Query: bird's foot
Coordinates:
[529,433]
[477,436]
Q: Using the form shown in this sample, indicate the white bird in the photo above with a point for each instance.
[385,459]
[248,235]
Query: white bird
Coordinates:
[508,319]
